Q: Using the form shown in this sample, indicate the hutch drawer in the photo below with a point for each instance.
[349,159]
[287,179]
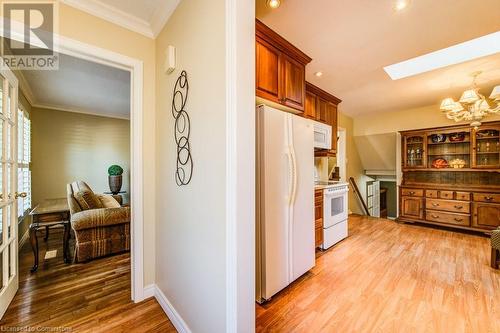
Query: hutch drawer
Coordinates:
[431,193]
[487,197]
[465,196]
[446,194]
[448,205]
[448,218]
[410,192]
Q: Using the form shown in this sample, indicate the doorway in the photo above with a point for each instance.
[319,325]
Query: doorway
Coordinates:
[8,185]
[341,153]
[9,247]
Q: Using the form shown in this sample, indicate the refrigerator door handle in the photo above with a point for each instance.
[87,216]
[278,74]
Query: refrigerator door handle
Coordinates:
[290,175]
[294,175]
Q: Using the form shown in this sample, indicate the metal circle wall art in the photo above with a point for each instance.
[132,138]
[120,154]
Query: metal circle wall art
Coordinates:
[182,129]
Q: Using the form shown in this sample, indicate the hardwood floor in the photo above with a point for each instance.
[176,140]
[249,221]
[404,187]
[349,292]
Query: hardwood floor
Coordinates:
[390,277]
[87,297]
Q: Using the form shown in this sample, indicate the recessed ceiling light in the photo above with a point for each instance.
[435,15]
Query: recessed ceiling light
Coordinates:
[273,3]
[318,74]
[456,54]
[401,4]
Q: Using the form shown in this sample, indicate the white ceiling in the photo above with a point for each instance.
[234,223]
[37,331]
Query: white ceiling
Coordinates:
[80,86]
[147,17]
[351,41]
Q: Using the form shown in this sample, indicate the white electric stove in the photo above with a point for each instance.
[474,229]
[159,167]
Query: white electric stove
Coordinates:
[335,212]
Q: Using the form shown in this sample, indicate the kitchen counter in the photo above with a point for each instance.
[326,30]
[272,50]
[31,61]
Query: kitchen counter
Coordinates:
[321,185]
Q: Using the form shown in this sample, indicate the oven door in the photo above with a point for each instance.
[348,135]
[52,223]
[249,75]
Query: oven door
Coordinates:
[335,208]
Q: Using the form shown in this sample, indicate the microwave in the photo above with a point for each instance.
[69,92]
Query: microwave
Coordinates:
[322,136]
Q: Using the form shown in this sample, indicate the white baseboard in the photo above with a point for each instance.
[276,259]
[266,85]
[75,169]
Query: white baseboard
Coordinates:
[24,238]
[149,291]
[179,323]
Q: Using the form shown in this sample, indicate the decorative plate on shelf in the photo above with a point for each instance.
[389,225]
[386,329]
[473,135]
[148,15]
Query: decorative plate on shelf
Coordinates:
[484,134]
[457,137]
[439,163]
[436,138]
[457,163]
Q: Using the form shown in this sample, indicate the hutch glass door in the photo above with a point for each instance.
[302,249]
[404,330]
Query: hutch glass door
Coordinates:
[487,148]
[414,156]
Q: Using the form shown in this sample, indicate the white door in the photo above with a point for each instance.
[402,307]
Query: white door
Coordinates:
[9,280]
[302,221]
[274,179]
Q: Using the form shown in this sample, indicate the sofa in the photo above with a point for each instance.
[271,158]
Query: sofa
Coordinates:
[100,224]
[495,248]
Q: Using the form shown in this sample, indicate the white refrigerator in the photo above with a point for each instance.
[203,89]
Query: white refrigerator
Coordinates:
[285,200]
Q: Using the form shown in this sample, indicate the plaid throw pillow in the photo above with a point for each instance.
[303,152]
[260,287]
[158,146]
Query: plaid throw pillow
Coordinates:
[88,200]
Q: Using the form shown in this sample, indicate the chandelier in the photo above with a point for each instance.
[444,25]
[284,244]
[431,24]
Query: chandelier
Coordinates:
[472,106]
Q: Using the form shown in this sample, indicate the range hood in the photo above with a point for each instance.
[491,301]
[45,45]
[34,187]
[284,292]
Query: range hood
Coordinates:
[378,154]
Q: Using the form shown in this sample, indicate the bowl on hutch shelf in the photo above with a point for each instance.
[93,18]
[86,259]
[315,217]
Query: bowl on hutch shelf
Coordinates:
[439,163]
[487,133]
[436,138]
[457,163]
[457,137]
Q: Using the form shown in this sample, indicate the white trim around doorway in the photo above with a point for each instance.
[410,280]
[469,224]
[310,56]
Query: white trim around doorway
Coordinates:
[102,56]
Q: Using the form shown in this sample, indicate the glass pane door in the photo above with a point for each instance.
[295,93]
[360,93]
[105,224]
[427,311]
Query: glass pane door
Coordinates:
[487,148]
[414,148]
[8,184]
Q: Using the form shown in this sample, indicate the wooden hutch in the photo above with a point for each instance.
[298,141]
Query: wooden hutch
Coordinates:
[451,177]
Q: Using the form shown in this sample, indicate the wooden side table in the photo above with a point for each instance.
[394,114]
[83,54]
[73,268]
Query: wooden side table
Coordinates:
[47,214]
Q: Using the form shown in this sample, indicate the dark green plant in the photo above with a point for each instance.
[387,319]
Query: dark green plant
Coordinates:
[115,170]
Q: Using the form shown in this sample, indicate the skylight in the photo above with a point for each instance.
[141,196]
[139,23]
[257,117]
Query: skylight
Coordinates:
[472,49]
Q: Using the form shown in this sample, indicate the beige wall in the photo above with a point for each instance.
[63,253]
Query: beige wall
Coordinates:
[92,30]
[70,146]
[190,230]
[354,167]
[389,122]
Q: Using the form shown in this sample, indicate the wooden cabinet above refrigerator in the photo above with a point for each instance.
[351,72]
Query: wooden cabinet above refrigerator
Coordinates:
[279,69]
[322,106]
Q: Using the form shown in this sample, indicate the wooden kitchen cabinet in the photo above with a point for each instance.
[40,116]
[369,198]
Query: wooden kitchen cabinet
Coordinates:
[322,106]
[485,215]
[310,107]
[280,69]
[267,68]
[294,83]
[412,207]
[318,217]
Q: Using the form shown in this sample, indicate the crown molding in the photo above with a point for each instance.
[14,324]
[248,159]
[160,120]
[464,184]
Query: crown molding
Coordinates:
[112,14]
[161,16]
[126,20]
[76,110]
